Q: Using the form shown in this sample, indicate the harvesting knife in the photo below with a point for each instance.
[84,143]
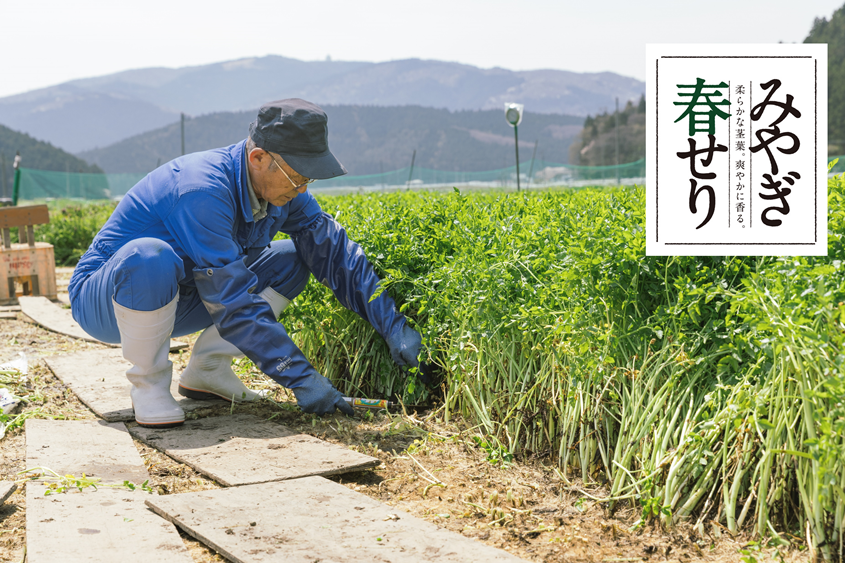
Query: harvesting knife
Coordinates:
[377,404]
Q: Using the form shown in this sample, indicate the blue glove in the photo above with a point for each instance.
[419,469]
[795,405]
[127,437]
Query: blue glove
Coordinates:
[405,346]
[316,394]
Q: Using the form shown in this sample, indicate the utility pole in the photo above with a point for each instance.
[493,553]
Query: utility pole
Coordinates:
[413,158]
[617,141]
[183,134]
[533,154]
[5,180]
[17,187]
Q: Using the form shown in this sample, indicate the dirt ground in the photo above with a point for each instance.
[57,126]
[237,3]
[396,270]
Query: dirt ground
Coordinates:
[430,469]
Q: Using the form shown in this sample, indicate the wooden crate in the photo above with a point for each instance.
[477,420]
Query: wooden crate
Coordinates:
[31,268]
[28,268]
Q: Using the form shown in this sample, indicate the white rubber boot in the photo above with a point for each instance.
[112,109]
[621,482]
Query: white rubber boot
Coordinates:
[209,373]
[145,339]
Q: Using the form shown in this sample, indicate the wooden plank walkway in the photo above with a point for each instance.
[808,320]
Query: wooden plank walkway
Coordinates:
[98,377]
[102,525]
[244,449]
[47,314]
[314,519]
[94,447]
[6,490]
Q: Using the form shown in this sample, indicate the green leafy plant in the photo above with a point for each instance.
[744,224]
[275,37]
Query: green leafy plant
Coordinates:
[693,383]
[72,229]
[496,453]
[57,484]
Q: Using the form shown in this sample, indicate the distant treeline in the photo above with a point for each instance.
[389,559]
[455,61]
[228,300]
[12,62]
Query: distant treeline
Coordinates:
[34,154]
[596,144]
[833,33]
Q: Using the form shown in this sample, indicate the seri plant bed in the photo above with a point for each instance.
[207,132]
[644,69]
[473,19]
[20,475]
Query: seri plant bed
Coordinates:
[695,388]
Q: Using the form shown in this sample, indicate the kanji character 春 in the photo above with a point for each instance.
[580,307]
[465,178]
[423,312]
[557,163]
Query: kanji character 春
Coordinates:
[703,121]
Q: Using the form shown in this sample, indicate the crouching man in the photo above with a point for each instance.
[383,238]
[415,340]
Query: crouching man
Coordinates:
[190,247]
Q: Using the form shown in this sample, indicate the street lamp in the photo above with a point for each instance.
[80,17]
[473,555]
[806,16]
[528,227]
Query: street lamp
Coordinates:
[17,186]
[513,115]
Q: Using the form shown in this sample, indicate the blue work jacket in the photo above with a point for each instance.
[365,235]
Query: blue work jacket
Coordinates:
[199,205]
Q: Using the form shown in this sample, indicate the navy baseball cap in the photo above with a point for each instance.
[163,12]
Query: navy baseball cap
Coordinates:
[298,131]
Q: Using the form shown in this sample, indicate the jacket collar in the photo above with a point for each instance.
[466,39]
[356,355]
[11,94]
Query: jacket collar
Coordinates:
[242,189]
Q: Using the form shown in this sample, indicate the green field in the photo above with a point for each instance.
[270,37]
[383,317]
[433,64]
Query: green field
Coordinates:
[700,388]
[694,388]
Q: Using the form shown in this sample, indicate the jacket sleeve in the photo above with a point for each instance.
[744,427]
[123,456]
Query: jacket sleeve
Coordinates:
[340,264]
[202,223]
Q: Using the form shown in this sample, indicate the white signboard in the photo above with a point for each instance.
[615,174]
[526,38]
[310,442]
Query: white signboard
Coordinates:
[736,150]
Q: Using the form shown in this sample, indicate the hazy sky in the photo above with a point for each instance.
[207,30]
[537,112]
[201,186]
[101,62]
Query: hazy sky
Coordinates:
[50,41]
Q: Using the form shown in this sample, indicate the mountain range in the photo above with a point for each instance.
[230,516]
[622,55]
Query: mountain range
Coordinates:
[368,139]
[84,114]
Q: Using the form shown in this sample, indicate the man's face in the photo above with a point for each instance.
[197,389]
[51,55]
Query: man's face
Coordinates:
[273,180]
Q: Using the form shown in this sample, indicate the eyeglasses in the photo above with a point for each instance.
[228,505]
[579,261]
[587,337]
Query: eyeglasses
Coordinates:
[302,185]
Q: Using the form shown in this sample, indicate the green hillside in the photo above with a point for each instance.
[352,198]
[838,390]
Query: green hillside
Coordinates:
[34,154]
[833,33]
[596,144]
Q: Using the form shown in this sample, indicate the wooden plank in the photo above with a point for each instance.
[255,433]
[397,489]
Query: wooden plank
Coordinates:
[6,490]
[98,378]
[47,314]
[14,308]
[105,524]
[314,519]
[23,216]
[101,526]
[94,447]
[8,316]
[243,449]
